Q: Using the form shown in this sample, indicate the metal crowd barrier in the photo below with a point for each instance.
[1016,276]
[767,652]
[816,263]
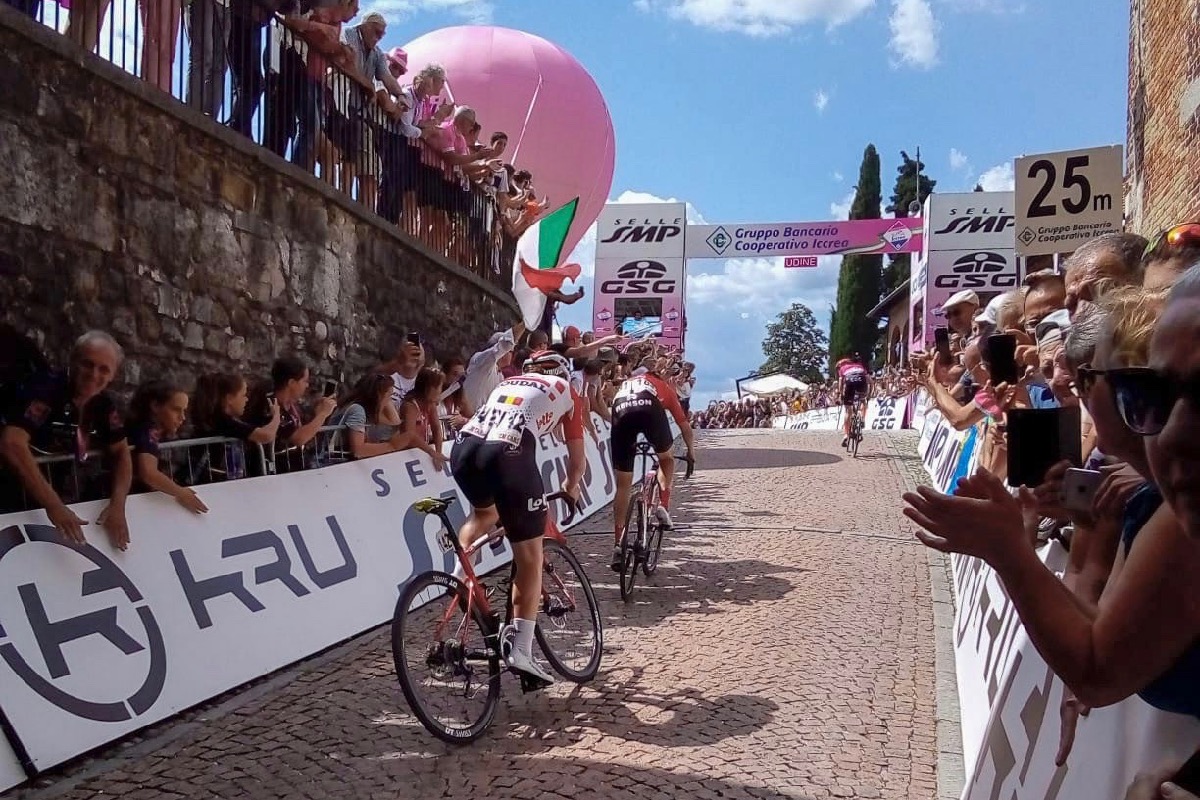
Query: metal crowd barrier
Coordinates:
[249,72]
[189,462]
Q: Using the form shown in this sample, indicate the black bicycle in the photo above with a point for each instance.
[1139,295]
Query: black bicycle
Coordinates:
[641,541]
[856,430]
[450,651]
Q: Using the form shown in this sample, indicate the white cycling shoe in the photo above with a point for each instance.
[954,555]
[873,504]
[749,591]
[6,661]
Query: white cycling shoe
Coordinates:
[664,518]
[514,659]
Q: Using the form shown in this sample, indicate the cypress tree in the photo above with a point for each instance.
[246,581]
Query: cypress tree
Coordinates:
[860,281]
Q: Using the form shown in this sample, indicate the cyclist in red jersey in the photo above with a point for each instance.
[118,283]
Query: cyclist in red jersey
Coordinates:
[854,385]
[641,407]
[494,461]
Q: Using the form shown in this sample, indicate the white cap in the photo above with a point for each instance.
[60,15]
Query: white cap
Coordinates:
[965,296]
[990,314]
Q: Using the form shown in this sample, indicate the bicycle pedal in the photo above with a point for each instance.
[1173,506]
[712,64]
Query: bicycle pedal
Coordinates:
[530,683]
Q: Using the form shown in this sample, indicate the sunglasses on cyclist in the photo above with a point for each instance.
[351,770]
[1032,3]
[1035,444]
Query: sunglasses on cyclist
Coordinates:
[1186,234]
[1145,397]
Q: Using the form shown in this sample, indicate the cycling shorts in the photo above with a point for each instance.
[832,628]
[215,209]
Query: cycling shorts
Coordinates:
[854,390]
[633,416]
[495,474]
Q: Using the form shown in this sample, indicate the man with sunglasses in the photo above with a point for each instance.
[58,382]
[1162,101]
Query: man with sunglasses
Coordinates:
[960,311]
[71,413]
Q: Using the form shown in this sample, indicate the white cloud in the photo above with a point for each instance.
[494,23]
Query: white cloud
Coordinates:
[999,178]
[959,161]
[914,41]
[840,209]
[476,11]
[820,101]
[759,17]
[838,177]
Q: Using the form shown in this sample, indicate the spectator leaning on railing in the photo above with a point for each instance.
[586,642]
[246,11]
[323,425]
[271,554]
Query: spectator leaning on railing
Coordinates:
[372,420]
[289,387]
[157,413]
[71,414]
[219,405]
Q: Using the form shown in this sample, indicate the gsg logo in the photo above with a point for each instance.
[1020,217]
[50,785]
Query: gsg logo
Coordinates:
[640,277]
[979,271]
[87,640]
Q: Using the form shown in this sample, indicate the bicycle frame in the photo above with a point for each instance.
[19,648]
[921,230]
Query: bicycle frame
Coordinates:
[476,593]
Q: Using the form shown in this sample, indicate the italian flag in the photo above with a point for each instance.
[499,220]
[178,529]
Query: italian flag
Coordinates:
[536,270]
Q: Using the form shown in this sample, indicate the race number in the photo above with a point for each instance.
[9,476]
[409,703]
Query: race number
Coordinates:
[1065,199]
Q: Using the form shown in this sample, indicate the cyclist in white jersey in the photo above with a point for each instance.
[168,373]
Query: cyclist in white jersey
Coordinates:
[495,464]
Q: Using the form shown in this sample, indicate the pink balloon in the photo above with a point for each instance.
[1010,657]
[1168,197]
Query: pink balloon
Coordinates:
[556,119]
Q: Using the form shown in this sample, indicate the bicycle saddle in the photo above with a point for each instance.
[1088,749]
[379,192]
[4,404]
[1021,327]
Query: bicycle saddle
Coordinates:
[433,505]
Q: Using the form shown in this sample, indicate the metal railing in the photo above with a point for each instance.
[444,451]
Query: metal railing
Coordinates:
[188,462]
[249,71]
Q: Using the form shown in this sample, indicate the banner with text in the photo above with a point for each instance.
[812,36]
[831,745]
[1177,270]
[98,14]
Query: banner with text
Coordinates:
[884,414]
[870,236]
[96,643]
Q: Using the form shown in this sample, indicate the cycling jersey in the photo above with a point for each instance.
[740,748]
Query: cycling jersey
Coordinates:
[495,460]
[848,370]
[854,381]
[640,408]
[533,403]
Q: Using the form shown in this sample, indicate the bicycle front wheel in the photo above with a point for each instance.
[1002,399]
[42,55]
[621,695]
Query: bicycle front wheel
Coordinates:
[446,658]
[654,537]
[570,631]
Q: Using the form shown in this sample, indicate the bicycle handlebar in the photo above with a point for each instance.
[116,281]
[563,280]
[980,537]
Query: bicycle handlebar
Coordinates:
[572,506]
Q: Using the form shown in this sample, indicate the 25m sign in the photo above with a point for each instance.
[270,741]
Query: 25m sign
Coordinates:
[1065,199]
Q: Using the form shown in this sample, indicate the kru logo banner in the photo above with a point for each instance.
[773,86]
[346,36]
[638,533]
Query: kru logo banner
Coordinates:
[95,643]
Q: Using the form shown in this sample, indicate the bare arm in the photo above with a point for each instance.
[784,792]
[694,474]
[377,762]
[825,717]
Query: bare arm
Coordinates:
[19,457]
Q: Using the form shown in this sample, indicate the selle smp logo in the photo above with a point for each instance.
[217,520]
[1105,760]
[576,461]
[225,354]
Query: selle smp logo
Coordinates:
[970,220]
[635,231]
[59,644]
[981,270]
[640,277]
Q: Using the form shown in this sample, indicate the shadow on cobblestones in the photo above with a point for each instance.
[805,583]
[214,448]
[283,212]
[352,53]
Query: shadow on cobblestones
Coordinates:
[764,458]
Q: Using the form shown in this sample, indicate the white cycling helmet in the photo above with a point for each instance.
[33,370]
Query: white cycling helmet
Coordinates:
[548,362]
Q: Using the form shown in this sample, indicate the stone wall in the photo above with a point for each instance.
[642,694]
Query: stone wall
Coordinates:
[121,209]
[1163,181]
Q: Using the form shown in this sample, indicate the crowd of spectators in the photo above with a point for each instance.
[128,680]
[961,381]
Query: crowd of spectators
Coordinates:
[64,437]
[1110,339]
[309,80]
[748,412]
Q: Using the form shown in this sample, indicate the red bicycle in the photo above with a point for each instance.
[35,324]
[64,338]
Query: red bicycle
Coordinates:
[446,636]
[641,542]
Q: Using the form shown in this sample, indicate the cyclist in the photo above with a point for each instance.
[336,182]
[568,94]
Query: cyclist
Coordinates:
[854,385]
[640,407]
[495,464]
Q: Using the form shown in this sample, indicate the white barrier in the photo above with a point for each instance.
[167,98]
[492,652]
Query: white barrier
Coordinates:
[886,414]
[1009,698]
[95,643]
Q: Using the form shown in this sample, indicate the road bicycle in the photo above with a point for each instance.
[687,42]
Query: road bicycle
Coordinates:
[641,543]
[446,635]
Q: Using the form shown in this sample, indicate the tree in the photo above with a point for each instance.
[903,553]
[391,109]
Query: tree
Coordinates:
[860,281]
[795,345]
[905,192]
[979,187]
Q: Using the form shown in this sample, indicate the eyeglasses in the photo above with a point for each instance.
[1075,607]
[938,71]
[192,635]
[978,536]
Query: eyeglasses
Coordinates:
[1184,235]
[1145,397]
[1085,378]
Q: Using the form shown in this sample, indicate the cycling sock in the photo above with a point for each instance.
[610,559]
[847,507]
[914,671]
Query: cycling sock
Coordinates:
[524,638]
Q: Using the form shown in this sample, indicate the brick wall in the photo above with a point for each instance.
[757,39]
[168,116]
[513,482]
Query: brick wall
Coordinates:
[1163,181]
[123,210]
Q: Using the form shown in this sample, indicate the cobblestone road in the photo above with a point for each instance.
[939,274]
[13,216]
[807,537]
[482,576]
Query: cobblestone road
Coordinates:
[784,649]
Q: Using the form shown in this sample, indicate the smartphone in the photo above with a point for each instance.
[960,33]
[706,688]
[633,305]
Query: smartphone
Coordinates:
[1039,438]
[941,339]
[413,338]
[330,388]
[1188,776]
[1001,358]
[1079,489]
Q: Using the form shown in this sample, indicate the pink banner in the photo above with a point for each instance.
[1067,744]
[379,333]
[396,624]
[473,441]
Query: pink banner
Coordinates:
[848,237]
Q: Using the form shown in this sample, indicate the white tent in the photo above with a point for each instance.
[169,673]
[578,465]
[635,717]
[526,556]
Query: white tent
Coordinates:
[772,384]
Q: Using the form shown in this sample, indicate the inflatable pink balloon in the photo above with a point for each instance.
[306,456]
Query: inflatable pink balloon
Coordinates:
[556,119]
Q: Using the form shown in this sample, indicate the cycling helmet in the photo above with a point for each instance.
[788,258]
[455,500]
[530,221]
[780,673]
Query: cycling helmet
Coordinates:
[548,362]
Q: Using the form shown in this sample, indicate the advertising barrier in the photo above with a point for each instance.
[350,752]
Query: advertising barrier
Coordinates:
[885,414]
[97,643]
[1009,698]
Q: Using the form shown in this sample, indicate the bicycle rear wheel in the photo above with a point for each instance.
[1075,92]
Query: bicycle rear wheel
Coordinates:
[635,522]
[446,658]
[569,631]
